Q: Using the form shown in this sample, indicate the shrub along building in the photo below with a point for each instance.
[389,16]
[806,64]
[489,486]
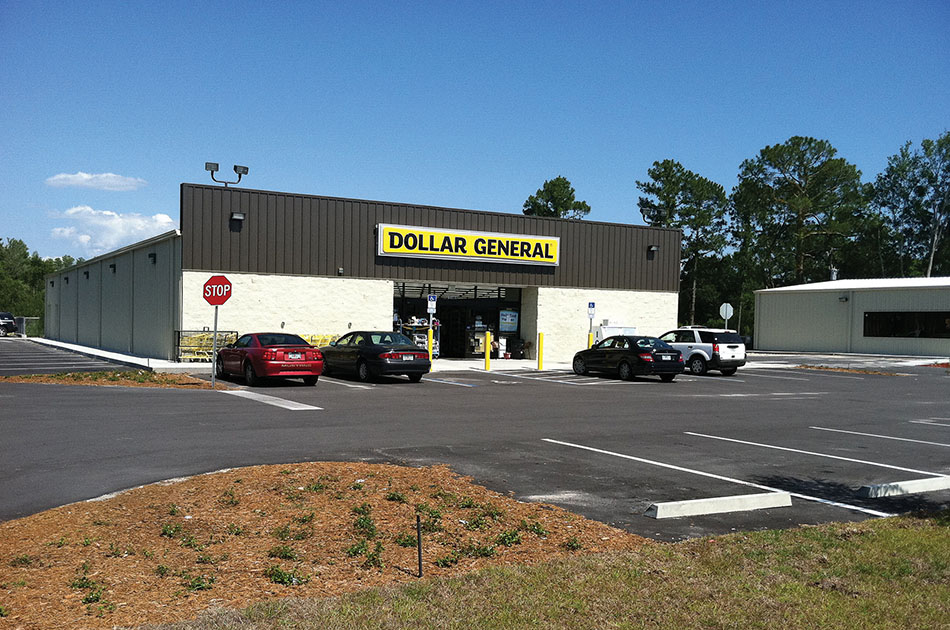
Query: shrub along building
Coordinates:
[321,266]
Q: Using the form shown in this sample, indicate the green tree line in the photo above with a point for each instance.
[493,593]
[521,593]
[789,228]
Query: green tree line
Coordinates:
[23,276]
[800,213]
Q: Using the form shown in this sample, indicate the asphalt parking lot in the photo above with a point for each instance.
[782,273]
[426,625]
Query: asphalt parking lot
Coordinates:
[602,447]
[20,356]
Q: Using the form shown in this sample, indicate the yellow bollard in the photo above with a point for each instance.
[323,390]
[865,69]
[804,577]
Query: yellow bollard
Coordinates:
[590,340]
[540,351]
[430,344]
[487,351]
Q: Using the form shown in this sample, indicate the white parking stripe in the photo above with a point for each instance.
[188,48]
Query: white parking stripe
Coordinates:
[931,422]
[795,450]
[272,400]
[439,380]
[325,379]
[883,437]
[784,378]
[720,477]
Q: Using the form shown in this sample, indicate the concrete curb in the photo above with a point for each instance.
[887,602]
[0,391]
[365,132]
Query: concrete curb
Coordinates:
[899,488]
[719,505]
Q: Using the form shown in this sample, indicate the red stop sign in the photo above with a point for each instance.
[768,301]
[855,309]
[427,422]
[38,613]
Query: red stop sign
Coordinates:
[217,290]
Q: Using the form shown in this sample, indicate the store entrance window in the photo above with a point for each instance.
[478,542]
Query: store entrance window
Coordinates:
[464,313]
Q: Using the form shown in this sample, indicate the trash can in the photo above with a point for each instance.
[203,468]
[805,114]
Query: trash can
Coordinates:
[20,325]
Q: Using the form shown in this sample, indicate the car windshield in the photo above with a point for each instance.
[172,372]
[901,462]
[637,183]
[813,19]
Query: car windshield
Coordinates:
[6,315]
[391,339]
[280,339]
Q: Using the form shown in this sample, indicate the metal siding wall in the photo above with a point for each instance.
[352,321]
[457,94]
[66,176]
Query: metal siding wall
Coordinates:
[898,300]
[90,304]
[116,291]
[309,235]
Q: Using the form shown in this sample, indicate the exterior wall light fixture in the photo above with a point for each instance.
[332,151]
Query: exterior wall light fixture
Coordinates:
[843,298]
[651,251]
[212,167]
[85,275]
[238,216]
[152,257]
[112,267]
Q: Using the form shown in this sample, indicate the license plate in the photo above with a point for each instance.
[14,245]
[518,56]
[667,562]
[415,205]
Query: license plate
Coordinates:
[666,357]
[407,357]
[293,355]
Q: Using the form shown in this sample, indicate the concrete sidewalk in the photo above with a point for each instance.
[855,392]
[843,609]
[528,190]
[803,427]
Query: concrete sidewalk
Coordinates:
[197,367]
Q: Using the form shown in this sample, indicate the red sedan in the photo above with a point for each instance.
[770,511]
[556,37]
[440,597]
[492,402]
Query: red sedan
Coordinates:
[261,355]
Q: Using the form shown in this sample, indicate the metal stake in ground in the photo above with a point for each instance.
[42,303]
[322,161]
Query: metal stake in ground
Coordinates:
[419,542]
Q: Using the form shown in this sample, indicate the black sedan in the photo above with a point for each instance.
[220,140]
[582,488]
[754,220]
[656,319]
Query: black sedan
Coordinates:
[369,354]
[628,356]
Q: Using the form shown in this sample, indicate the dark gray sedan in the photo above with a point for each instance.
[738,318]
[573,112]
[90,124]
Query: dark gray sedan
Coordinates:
[368,354]
[628,356]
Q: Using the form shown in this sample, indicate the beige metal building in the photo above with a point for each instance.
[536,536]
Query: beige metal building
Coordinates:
[906,316]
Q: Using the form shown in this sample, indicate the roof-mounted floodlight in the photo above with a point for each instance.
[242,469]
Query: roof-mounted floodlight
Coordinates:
[212,167]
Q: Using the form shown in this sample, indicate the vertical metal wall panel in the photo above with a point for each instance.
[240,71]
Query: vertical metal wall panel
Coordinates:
[312,235]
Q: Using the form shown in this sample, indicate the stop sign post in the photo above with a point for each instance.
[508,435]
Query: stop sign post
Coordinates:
[726,311]
[216,291]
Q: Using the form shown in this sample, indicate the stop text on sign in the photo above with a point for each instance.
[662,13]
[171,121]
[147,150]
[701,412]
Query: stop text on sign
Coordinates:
[424,242]
[217,290]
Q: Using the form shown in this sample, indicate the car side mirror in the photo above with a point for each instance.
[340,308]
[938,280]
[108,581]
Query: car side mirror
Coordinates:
[332,343]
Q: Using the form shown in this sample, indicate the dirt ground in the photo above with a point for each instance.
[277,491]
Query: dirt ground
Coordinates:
[167,551]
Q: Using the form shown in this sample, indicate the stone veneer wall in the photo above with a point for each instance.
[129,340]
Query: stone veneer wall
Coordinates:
[303,305]
[561,314]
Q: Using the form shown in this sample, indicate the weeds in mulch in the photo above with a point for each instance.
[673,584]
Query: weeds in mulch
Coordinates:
[283,552]
[509,538]
[288,578]
[228,499]
[197,583]
[23,560]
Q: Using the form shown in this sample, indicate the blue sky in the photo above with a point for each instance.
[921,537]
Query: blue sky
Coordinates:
[467,105]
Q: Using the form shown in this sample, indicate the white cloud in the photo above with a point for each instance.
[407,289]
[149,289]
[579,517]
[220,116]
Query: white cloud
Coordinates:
[101,231]
[99,181]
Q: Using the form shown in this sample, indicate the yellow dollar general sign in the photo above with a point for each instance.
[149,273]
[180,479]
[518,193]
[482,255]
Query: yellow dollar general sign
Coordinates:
[424,242]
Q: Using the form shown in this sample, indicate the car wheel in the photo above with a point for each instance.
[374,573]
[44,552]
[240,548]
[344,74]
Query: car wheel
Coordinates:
[219,368]
[580,367]
[363,373]
[414,378]
[624,371]
[3,331]
[697,365]
[310,380]
[667,378]
[250,376]
[728,371]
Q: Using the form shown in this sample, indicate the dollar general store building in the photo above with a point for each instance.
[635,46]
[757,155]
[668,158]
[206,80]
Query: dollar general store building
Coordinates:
[321,266]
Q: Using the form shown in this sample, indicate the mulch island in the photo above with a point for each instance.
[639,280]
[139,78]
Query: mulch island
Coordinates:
[120,378]
[170,550]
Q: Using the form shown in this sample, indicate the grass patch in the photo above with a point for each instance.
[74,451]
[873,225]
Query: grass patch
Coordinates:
[885,573]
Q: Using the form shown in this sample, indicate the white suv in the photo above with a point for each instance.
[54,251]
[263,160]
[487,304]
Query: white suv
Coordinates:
[708,348]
